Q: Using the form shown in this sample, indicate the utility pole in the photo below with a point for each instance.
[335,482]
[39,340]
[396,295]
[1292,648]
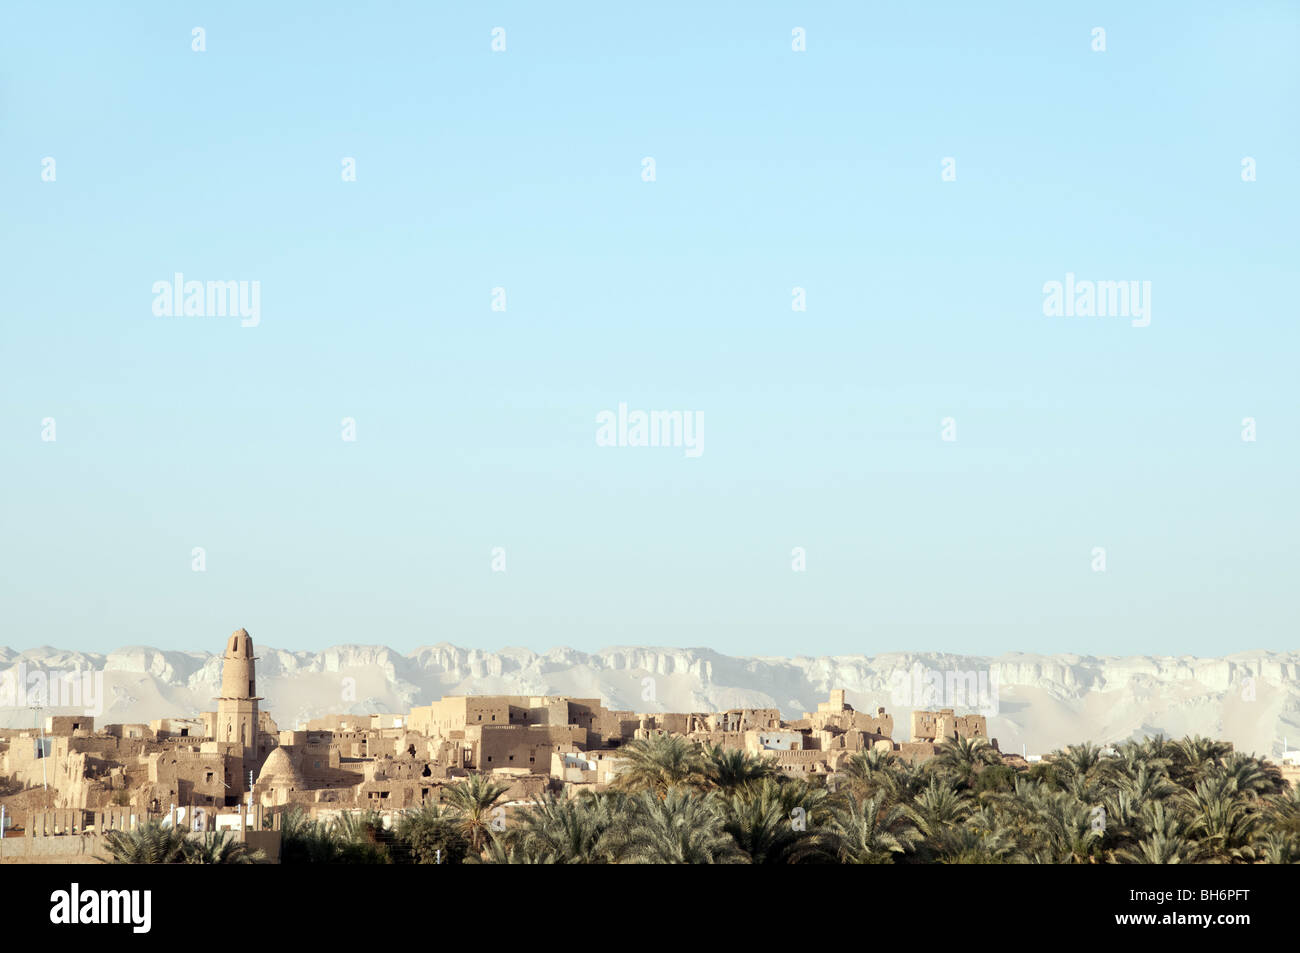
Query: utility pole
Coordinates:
[40,726]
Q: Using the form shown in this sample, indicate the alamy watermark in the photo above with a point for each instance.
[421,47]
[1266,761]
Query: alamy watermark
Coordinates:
[655,428]
[54,688]
[928,688]
[1098,299]
[208,299]
[126,907]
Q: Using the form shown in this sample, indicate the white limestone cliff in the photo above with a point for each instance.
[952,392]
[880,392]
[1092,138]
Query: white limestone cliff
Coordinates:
[1042,701]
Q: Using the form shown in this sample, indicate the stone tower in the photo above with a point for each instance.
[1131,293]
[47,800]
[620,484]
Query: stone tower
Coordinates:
[237,704]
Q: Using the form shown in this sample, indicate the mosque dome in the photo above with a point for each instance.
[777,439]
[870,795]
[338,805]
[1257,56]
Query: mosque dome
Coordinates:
[279,769]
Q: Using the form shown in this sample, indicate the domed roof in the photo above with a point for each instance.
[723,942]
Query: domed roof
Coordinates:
[278,767]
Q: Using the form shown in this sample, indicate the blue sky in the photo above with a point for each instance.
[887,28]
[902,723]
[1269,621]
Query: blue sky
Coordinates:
[774,169]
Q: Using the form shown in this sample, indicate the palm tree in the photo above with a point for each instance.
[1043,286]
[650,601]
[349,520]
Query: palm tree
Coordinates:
[1278,848]
[985,838]
[1129,758]
[1193,758]
[1165,841]
[500,850]
[1155,801]
[305,841]
[564,830]
[729,768]
[1122,820]
[1082,764]
[938,807]
[768,825]
[660,763]
[474,803]
[1221,818]
[970,845]
[1253,777]
[150,843]
[1145,783]
[362,838]
[963,758]
[215,847]
[1157,748]
[871,771]
[1284,812]
[430,835]
[866,832]
[1067,828]
[679,828]
[811,799]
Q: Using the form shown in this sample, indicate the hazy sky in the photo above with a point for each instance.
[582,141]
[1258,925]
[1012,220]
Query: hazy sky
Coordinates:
[774,169]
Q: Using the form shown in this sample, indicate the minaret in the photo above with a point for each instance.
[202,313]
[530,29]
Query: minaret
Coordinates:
[237,704]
